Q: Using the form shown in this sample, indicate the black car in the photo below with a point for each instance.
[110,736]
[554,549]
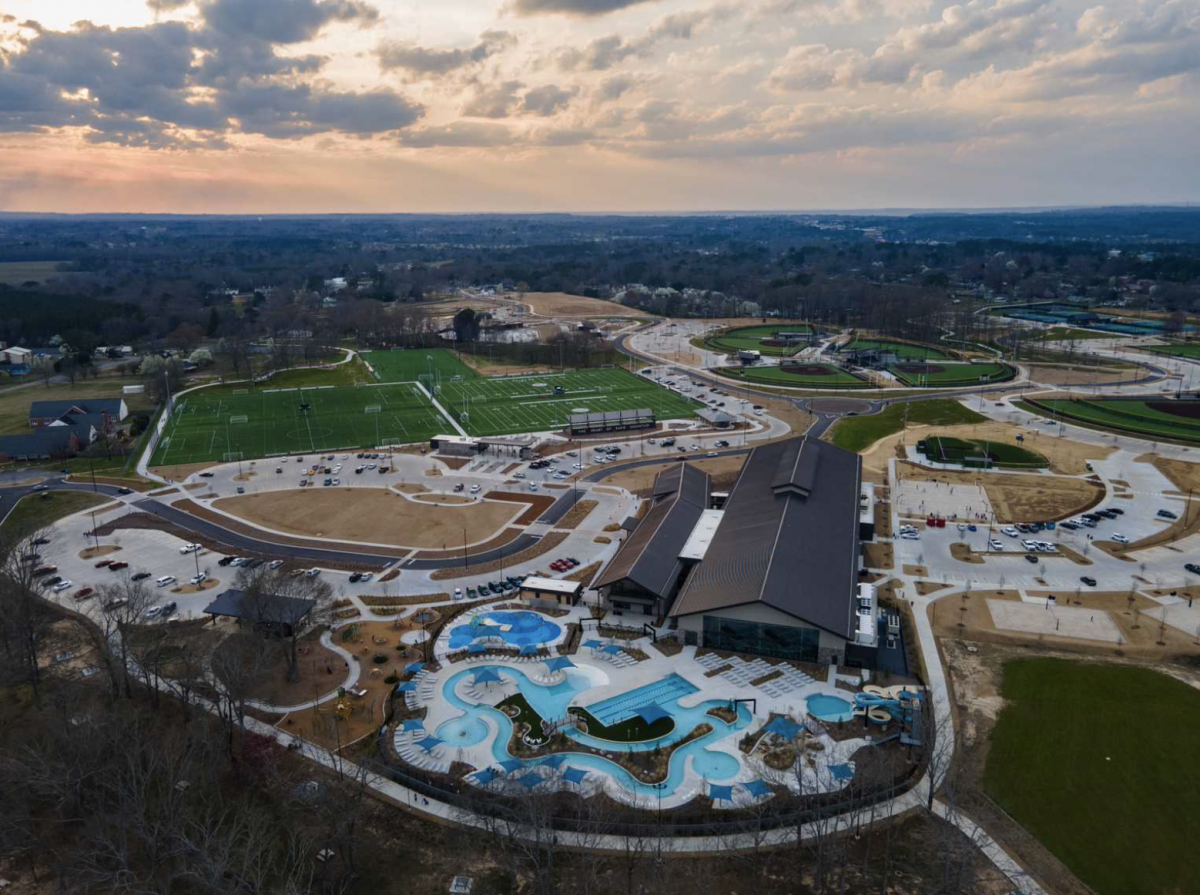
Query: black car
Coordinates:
[38,542]
[206,475]
[1088,580]
[1116,510]
[354,576]
[169,609]
[1166,514]
[224,560]
[139,576]
[1192,567]
[1029,557]
[124,490]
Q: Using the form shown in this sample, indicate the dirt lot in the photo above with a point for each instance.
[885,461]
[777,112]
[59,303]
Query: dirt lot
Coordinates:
[1019,498]
[878,556]
[559,304]
[373,515]
[722,469]
[181,471]
[1065,456]
[1064,374]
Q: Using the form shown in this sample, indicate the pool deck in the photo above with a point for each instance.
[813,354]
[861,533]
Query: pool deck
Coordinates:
[613,676]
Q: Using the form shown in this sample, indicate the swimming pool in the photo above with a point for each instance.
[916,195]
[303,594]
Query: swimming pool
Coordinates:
[519,628]
[552,702]
[617,708]
[829,708]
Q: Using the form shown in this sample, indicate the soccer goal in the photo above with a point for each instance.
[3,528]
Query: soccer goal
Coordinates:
[238,418]
[373,408]
[232,455]
[479,399]
[241,391]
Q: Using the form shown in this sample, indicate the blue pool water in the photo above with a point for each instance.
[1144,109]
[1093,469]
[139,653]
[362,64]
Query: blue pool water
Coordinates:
[524,629]
[462,731]
[625,705]
[552,702]
[715,765]
[829,708]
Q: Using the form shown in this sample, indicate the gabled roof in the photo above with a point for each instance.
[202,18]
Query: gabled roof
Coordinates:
[269,608]
[55,409]
[788,538]
[44,442]
[650,557]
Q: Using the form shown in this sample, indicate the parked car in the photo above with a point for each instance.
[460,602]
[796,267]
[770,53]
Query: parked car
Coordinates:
[99,565]
[83,593]
[275,564]
[224,560]
[312,573]
[1192,567]
[169,609]
[117,566]
[1166,514]
[62,585]
[1120,538]
[139,576]
[1029,557]
[124,490]
[995,545]
[198,578]
[1088,580]
[165,580]
[153,611]
[189,548]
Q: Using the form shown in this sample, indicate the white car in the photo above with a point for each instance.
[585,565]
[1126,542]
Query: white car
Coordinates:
[275,564]
[962,526]
[365,577]
[190,548]
[518,475]
[337,481]
[533,486]
[1047,547]
[1120,538]
[153,611]
[61,586]
[579,466]
[165,580]
[995,545]
[312,573]
[196,579]
[1029,545]
[475,489]
[1010,531]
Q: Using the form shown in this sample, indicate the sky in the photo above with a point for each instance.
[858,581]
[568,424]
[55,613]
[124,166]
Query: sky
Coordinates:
[308,106]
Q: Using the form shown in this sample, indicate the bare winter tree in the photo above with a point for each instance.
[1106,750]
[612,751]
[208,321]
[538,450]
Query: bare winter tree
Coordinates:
[271,599]
[25,613]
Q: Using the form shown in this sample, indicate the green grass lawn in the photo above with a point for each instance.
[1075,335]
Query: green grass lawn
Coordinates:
[750,338]
[860,432]
[1069,333]
[835,378]
[949,375]
[1125,416]
[205,426]
[900,349]
[1190,350]
[14,273]
[1099,763]
[14,405]
[38,511]
[972,452]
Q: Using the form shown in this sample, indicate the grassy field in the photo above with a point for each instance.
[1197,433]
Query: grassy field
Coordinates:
[1190,350]
[860,432]
[15,273]
[950,375]
[206,426]
[900,349]
[1125,416]
[972,452]
[38,511]
[1067,334]
[1097,761]
[834,378]
[750,338]
[14,404]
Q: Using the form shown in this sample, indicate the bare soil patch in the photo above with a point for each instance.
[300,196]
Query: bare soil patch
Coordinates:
[446,499]
[102,550]
[560,304]
[722,470]
[1063,374]
[207,584]
[373,515]
[878,556]
[577,514]
[1016,497]
[537,504]
[925,588]
[964,553]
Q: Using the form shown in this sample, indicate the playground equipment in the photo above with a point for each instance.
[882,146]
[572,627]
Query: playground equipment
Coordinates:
[883,704]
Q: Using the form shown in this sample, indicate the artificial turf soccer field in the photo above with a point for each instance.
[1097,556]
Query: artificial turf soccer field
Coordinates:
[206,428]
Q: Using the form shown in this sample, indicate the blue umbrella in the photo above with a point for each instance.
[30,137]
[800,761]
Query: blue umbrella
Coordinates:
[406,687]
[559,662]
[651,712]
[757,788]
[429,743]
[476,648]
[511,764]
[591,644]
[530,780]
[841,771]
[612,649]
[484,777]
[413,724]
[574,775]
[413,667]
[783,726]
[529,649]
[486,676]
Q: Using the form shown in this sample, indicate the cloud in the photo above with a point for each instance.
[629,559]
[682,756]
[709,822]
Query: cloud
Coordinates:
[492,101]
[423,62]
[283,21]
[612,88]
[167,5]
[476,134]
[605,52]
[174,84]
[572,7]
[547,100]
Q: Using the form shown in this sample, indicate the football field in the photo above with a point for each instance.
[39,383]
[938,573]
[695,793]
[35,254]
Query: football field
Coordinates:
[246,426]
[226,425]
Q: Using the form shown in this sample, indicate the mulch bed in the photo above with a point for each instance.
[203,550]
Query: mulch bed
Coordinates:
[1186,409]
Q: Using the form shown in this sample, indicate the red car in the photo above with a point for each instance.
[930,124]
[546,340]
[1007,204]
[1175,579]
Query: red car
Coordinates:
[117,566]
[83,593]
[103,563]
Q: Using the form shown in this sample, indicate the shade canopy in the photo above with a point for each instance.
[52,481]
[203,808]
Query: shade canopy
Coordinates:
[559,662]
[413,667]
[530,780]
[574,775]
[757,788]
[783,726]
[429,743]
[554,761]
[717,792]
[484,777]
[476,648]
[841,771]
[486,676]
[529,649]
[511,764]
[591,644]
[406,687]
[412,724]
[612,649]
[651,712]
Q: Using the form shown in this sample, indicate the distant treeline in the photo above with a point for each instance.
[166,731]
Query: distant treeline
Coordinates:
[33,318]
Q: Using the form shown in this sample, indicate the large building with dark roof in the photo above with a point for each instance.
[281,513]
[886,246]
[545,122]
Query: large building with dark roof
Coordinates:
[774,573]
